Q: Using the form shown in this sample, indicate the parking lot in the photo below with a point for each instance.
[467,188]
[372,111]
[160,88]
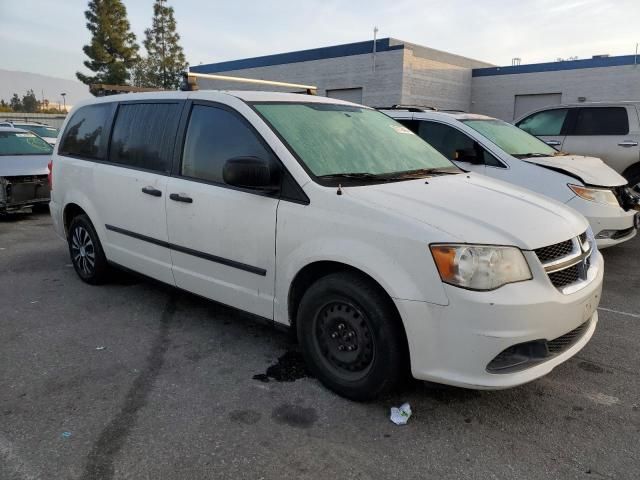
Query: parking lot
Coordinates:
[137,380]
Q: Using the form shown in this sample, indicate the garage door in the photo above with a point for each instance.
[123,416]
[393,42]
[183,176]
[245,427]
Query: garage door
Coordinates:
[527,103]
[349,94]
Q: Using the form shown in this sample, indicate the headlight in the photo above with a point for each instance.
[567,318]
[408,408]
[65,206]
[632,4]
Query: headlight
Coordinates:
[479,267]
[598,195]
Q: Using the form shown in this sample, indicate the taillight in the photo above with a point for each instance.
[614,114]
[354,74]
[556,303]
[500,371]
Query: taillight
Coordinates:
[50,175]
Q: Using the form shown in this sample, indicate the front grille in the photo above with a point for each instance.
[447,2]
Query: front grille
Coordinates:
[554,252]
[565,277]
[622,233]
[566,341]
[567,263]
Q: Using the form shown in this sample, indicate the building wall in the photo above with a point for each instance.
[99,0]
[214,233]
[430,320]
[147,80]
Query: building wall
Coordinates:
[435,83]
[380,88]
[494,95]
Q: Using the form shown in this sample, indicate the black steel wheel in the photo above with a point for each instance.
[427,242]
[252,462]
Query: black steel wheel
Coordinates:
[86,252]
[351,336]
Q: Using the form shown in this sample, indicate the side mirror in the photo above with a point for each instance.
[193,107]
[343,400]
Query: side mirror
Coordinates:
[251,172]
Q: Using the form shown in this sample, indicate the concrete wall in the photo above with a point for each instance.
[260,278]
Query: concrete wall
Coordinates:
[495,95]
[380,88]
[435,83]
[51,119]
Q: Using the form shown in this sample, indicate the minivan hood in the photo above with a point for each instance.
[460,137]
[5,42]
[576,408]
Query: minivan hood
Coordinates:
[472,208]
[589,170]
[16,165]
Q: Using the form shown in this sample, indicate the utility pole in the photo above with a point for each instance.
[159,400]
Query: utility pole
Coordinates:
[375,46]
[64,101]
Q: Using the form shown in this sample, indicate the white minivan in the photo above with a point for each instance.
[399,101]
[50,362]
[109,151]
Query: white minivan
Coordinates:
[502,151]
[335,220]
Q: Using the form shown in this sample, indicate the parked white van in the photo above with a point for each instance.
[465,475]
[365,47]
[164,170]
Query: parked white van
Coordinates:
[499,150]
[333,219]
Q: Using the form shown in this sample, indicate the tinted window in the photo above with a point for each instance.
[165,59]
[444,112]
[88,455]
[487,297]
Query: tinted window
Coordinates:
[602,121]
[447,140]
[85,135]
[548,122]
[214,136]
[144,135]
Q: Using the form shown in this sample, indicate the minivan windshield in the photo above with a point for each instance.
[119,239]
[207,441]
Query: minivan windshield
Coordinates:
[511,139]
[23,143]
[347,142]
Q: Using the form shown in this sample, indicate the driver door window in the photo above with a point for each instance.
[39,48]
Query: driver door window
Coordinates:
[448,140]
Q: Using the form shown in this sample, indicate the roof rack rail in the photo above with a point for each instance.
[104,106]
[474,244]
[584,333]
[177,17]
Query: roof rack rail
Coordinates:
[103,89]
[409,108]
[190,83]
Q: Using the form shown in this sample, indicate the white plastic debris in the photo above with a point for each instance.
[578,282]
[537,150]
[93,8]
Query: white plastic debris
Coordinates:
[400,415]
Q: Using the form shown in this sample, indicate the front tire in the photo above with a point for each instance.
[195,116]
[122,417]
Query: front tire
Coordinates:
[351,336]
[633,176]
[87,255]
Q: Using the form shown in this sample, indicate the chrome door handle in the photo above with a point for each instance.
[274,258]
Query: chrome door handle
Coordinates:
[553,143]
[628,143]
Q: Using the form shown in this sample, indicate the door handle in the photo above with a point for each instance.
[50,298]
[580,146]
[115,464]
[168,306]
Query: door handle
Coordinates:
[553,143]
[152,191]
[628,143]
[180,198]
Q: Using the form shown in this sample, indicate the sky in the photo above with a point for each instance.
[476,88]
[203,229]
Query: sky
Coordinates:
[46,36]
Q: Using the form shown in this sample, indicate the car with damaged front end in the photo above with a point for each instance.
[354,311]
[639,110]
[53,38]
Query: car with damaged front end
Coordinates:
[24,159]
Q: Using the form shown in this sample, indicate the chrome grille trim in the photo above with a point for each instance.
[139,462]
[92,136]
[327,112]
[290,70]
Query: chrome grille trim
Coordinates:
[572,271]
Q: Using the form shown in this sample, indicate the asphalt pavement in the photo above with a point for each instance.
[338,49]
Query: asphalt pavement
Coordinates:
[136,380]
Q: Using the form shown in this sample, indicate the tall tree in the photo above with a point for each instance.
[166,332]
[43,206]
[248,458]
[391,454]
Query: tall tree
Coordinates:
[113,49]
[30,102]
[15,103]
[164,53]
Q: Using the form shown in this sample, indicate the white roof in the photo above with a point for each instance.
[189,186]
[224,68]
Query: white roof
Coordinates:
[246,95]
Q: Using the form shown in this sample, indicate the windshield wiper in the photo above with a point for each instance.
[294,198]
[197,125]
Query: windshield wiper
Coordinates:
[352,176]
[531,155]
[392,176]
[421,173]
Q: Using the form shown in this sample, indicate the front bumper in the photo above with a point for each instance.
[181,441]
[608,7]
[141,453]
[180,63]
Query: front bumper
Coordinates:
[454,344]
[607,218]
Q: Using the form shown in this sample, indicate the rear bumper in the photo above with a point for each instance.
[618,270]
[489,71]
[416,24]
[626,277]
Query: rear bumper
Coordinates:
[455,344]
[56,217]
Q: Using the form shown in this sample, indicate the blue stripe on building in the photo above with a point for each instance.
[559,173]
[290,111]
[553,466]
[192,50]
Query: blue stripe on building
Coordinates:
[335,51]
[558,66]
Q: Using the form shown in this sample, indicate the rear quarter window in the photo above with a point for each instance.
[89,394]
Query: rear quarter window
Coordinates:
[86,132]
[601,121]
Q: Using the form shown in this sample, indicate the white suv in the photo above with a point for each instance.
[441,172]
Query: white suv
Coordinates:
[607,130]
[499,150]
[333,219]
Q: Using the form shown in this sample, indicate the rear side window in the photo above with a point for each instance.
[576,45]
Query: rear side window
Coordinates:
[601,121]
[144,134]
[85,135]
[214,136]
[549,122]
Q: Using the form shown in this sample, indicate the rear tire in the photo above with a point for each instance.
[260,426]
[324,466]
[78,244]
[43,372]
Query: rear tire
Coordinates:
[351,336]
[87,255]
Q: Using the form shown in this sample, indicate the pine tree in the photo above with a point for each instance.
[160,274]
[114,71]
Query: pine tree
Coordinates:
[15,103]
[30,102]
[164,54]
[113,49]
